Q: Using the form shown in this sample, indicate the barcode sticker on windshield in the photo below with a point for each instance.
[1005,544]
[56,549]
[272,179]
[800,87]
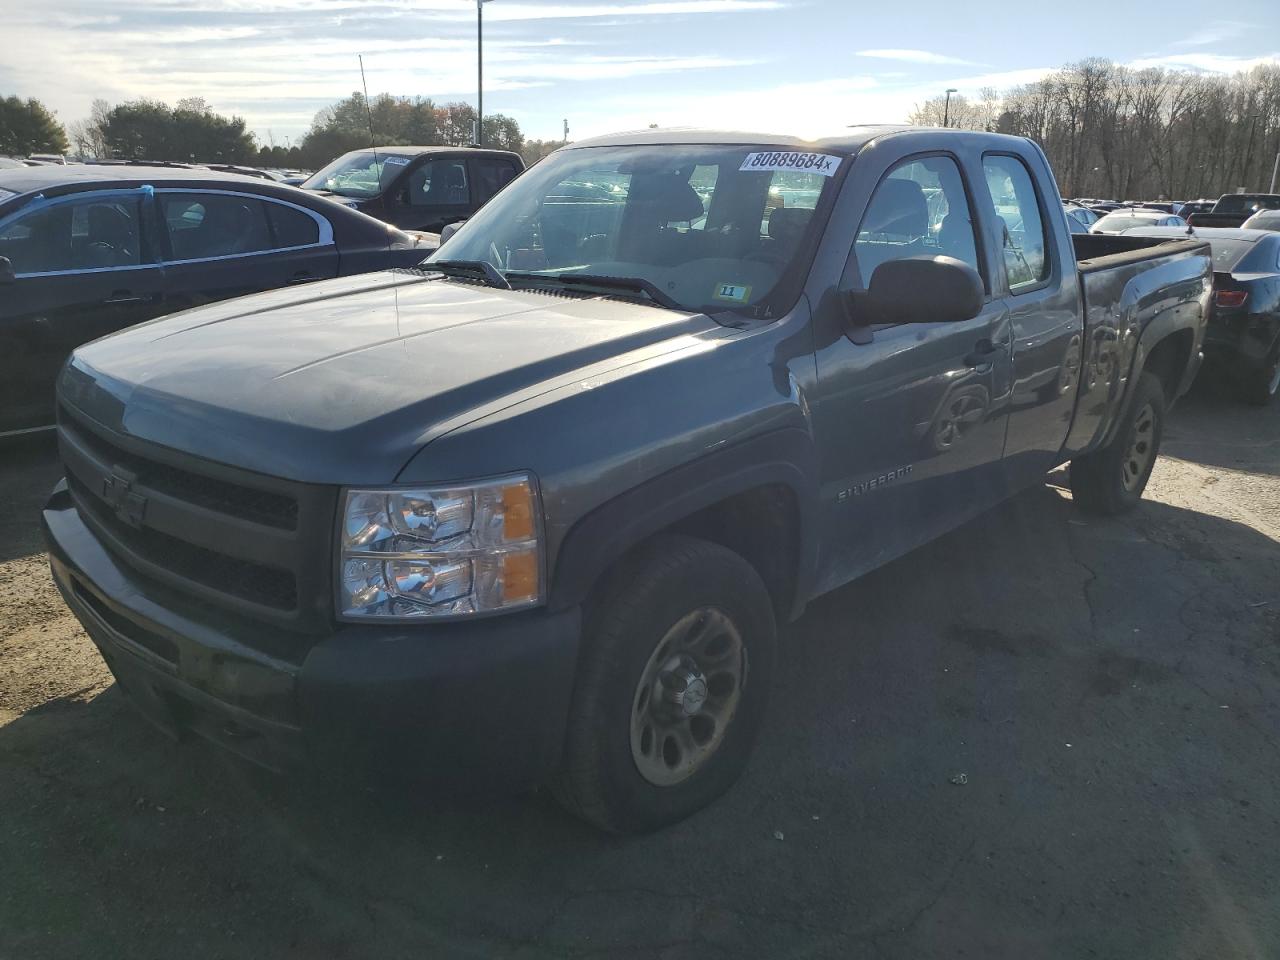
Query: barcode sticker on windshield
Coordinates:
[800,162]
[396,161]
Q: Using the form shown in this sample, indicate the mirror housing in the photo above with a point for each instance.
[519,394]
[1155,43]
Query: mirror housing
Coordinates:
[7,273]
[918,290]
[449,230]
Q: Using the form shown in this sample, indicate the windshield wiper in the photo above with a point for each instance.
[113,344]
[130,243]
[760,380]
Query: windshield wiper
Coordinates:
[481,270]
[632,285]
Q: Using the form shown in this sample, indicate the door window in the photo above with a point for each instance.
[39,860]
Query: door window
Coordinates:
[920,209]
[492,174]
[291,227]
[1018,210]
[89,233]
[439,183]
[207,225]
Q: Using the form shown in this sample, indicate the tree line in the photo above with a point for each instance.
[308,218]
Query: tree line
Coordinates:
[193,132]
[1114,132]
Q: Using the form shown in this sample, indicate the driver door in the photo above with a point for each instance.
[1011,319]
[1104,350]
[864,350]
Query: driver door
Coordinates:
[85,267]
[910,417]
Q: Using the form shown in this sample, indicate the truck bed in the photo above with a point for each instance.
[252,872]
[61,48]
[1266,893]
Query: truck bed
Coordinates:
[1129,284]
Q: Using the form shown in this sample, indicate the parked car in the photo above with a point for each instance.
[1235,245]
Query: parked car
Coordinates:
[540,509]
[87,250]
[1244,325]
[1164,206]
[53,158]
[1081,215]
[8,163]
[417,188]
[1127,219]
[1195,206]
[1263,220]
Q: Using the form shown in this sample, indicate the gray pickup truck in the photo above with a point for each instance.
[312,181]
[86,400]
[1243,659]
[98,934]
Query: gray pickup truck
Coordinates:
[539,508]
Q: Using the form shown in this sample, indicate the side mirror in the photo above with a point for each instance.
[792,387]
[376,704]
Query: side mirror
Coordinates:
[918,290]
[7,273]
[449,230]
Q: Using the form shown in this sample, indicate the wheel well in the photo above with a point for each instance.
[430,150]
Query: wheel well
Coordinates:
[762,525]
[1168,359]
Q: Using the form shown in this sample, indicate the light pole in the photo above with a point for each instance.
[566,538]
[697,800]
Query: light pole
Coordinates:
[480,71]
[946,108]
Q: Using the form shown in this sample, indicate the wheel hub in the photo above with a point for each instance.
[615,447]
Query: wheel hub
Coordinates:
[685,689]
[687,696]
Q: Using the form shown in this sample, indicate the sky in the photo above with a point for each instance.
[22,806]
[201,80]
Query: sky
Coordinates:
[804,67]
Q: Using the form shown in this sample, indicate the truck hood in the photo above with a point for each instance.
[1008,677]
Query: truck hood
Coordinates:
[344,381]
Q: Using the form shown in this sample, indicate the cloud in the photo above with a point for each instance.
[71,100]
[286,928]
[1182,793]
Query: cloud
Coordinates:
[1216,32]
[917,56]
[1205,62]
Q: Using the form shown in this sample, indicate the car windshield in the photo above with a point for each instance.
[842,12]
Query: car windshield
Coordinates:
[365,173]
[705,227]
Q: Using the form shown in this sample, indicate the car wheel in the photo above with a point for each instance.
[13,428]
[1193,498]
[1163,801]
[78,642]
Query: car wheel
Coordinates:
[1262,384]
[1110,481]
[672,686]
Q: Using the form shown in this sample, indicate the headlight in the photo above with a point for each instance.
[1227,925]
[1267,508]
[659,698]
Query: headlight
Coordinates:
[440,552]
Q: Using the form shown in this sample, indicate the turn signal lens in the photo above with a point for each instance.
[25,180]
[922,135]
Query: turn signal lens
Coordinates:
[1230,298]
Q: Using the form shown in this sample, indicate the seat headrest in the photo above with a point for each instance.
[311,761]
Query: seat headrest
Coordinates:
[665,197]
[898,208]
[787,224]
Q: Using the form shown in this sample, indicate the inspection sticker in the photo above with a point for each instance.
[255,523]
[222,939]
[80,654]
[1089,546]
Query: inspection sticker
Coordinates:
[822,163]
[396,161]
[733,292]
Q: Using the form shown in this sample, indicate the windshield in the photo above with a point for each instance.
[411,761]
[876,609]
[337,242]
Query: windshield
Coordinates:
[712,227]
[364,173]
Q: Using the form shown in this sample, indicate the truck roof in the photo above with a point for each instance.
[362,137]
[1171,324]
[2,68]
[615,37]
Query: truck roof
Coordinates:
[846,144]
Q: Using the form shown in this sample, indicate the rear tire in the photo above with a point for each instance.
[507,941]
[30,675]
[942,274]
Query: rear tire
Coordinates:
[1260,386]
[1110,481]
[672,686]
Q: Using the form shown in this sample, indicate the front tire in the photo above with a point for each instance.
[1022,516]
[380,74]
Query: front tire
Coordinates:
[672,686]
[1110,481]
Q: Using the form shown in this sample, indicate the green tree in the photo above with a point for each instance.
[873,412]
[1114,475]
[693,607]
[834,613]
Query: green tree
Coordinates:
[151,130]
[27,126]
[398,121]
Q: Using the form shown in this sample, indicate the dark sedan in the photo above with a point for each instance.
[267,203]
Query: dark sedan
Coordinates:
[87,250]
[1244,325]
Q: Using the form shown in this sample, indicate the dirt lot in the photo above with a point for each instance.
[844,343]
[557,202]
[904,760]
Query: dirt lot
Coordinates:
[1109,689]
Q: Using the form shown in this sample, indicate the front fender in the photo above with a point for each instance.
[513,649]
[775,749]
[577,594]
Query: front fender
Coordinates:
[785,457]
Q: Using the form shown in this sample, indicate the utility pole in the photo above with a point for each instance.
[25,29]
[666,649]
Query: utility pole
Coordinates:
[946,109]
[479,137]
[566,129]
[1275,170]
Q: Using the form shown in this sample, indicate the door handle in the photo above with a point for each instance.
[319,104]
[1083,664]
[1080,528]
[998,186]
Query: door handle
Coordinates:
[984,353]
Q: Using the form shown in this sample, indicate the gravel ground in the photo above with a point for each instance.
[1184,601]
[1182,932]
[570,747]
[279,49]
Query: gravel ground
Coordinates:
[1106,691]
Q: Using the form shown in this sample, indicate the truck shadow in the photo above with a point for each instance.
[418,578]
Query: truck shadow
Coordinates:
[1211,426]
[979,655]
[29,468]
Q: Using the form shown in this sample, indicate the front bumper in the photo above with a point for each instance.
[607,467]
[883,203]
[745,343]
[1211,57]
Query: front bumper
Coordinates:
[486,699]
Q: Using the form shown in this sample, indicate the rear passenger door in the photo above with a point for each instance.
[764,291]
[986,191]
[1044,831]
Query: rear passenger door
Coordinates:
[911,417]
[1040,290]
[489,175]
[221,244]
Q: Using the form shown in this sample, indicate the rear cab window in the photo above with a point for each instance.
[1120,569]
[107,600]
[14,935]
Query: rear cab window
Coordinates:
[1025,240]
